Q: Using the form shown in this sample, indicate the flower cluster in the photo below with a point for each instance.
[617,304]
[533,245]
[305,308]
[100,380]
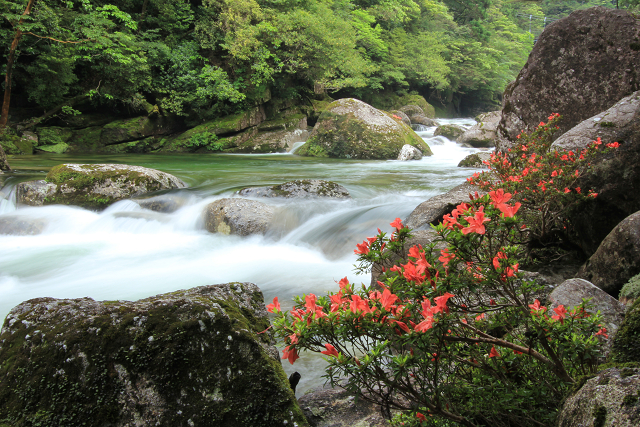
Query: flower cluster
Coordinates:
[543,181]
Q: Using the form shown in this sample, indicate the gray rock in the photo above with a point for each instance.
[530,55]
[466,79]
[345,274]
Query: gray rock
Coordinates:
[614,176]
[20,226]
[452,132]
[419,119]
[580,66]
[432,211]
[405,119]
[409,152]
[412,110]
[94,186]
[570,293]
[193,357]
[238,216]
[351,129]
[35,193]
[483,133]
[608,399]
[166,203]
[475,160]
[337,408]
[301,188]
[617,259]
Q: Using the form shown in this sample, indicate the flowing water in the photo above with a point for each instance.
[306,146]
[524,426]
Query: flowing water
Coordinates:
[128,253]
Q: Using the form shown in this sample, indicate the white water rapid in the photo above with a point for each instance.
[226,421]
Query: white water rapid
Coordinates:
[127,252]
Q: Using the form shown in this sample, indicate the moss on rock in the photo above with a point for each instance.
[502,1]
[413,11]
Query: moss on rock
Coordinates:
[190,357]
[626,343]
[351,129]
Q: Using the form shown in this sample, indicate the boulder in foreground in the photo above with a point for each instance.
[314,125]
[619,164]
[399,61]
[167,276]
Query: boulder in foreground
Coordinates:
[187,358]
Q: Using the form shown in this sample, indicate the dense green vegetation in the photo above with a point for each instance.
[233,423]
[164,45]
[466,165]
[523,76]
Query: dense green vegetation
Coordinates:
[205,58]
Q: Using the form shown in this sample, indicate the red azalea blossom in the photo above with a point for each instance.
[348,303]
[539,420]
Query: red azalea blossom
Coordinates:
[536,307]
[494,352]
[291,354]
[603,332]
[363,248]
[446,257]
[476,223]
[275,307]
[331,351]
[397,224]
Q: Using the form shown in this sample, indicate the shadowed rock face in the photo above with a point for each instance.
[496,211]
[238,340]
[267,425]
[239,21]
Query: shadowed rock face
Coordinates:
[186,358]
[580,66]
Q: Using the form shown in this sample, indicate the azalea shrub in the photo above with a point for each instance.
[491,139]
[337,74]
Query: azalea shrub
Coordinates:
[545,182]
[454,334]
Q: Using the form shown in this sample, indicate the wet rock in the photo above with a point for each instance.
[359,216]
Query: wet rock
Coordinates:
[610,398]
[483,133]
[337,408]
[301,188]
[409,152]
[451,132]
[193,357]
[432,211]
[166,203]
[580,66]
[19,226]
[614,176]
[94,186]
[412,110]
[419,119]
[351,129]
[617,259]
[570,293]
[475,160]
[35,193]
[240,217]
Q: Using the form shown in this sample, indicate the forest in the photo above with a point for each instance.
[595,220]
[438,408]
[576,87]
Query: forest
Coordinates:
[201,59]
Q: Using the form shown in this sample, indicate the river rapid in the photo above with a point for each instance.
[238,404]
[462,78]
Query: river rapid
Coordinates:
[128,253]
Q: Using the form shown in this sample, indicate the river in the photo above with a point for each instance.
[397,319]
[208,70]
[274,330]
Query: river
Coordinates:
[128,253]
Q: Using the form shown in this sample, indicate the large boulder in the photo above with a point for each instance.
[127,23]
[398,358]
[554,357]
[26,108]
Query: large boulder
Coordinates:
[570,293]
[300,188]
[615,176]
[617,259]
[240,217]
[431,211]
[351,129]
[475,160]
[452,132]
[193,357]
[483,133]
[94,186]
[610,398]
[579,66]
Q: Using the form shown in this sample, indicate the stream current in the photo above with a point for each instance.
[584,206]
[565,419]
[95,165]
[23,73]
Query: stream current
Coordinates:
[128,253]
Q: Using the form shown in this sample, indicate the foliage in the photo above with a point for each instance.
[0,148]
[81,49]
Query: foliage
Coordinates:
[204,140]
[456,334]
[544,182]
[631,289]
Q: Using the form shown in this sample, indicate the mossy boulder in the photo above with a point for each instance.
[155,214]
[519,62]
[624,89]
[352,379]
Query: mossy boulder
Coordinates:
[452,132]
[475,160]
[300,188]
[239,217]
[134,129]
[352,129]
[194,357]
[626,343]
[630,291]
[34,193]
[610,398]
[96,186]
[13,144]
[418,100]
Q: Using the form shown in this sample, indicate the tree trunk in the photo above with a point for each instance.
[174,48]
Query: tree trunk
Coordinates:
[4,116]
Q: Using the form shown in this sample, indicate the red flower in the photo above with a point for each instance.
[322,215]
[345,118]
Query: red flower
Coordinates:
[494,352]
[498,197]
[561,313]
[275,307]
[343,282]
[446,257]
[476,223]
[331,351]
[388,299]
[479,317]
[603,332]
[535,307]
[441,303]
[397,224]
[363,248]
[421,417]
[613,145]
[291,354]
[497,258]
